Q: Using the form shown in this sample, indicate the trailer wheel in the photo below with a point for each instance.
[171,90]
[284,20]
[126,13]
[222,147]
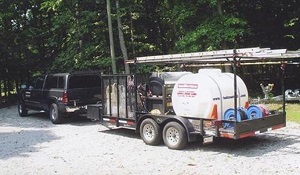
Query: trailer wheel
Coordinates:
[54,114]
[150,132]
[174,136]
[22,109]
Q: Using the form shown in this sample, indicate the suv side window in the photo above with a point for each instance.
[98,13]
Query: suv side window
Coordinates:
[54,82]
[51,82]
[39,83]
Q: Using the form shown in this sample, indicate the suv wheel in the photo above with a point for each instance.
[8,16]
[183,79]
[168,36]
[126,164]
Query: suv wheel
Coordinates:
[22,109]
[55,115]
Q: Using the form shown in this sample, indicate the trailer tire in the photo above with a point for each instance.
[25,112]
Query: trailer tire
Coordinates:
[150,132]
[174,136]
[22,109]
[54,114]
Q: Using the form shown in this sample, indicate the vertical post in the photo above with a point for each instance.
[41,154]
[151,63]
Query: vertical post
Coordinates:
[282,67]
[103,99]
[118,95]
[135,78]
[126,95]
[109,97]
[235,84]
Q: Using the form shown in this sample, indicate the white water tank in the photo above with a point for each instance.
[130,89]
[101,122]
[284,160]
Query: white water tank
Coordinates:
[207,94]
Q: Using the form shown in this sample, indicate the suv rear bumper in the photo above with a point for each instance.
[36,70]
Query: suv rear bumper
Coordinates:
[74,109]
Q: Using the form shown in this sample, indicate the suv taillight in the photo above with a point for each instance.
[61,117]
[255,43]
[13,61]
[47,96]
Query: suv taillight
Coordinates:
[65,97]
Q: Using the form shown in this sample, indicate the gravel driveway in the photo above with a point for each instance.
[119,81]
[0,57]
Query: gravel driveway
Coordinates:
[33,145]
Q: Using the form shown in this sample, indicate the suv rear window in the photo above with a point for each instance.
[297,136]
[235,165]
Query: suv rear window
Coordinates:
[84,81]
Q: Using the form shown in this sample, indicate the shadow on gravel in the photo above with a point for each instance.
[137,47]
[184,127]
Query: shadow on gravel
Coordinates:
[23,142]
[73,120]
[122,132]
[250,147]
[79,121]
[37,119]
[37,115]
[68,120]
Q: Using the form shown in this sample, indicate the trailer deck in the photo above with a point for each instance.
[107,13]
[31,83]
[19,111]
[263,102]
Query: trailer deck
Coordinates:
[127,105]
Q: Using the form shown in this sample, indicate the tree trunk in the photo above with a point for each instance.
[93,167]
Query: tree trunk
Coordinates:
[80,39]
[111,38]
[0,90]
[121,38]
[228,68]
[220,12]
[131,34]
[6,86]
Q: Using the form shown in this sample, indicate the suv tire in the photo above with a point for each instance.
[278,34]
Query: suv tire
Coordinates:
[54,114]
[22,109]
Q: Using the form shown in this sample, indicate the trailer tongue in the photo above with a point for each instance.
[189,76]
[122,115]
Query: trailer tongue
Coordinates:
[180,107]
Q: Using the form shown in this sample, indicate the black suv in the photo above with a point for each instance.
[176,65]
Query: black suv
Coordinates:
[60,94]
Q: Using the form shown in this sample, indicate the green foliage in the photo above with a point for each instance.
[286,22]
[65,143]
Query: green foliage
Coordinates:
[78,34]
[38,36]
[51,5]
[210,3]
[212,33]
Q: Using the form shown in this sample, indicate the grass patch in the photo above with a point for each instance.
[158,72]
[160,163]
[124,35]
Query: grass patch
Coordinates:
[292,111]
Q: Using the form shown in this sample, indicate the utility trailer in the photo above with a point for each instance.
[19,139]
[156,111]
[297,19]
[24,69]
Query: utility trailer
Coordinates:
[151,112]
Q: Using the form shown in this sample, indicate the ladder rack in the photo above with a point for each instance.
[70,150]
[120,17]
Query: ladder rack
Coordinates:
[221,56]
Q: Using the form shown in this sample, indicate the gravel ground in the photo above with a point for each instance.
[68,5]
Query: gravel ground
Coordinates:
[33,145]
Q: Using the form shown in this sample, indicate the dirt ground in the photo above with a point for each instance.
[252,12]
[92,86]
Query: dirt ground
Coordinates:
[33,145]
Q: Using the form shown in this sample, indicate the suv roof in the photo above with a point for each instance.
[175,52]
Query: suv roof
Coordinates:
[76,73]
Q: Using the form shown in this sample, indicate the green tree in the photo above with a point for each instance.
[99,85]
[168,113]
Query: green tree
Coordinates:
[273,23]
[216,27]
[78,36]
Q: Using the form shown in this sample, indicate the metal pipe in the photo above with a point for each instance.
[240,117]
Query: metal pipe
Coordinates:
[235,84]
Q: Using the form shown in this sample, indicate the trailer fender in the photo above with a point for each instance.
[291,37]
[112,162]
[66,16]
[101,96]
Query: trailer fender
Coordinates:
[162,120]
